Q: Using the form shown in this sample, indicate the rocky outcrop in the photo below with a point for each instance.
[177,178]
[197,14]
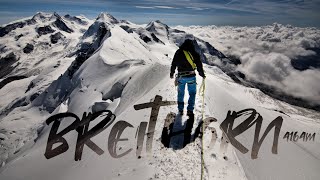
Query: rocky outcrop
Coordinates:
[10,79]
[60,24]
[145,38]
[156,39]
[6,64]
[127,28]
[2,48]
[75,19]
[100,31]
[44,30]
[28,49]
[54,38]
[302,63]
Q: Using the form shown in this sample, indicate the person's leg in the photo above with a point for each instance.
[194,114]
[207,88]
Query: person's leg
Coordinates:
[192,89]
[181,90]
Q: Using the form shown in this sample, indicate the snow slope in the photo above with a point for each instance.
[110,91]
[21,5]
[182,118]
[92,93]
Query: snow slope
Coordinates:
[126,69]
[52,38]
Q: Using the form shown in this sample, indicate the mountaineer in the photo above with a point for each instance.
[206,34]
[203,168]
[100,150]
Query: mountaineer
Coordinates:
[187,60]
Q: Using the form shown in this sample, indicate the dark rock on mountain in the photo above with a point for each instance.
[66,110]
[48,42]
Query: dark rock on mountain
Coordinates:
[16,103]
[279,94]
[241,75]
[233,76]
[18,37]
[145,38]
[214,51]
[10,79]
[30,86]
[10,27]
[2,48]
[127,28]
[34,96]
[177,31]
[125,21]
[59,23]
[306,62]
[234,60]
[56,37]
[28,49]
[6,64]
[237,76]
[273,92]
[39,15]
[44,30]
[75,19]
[205,47]
[98,29]
[155,38]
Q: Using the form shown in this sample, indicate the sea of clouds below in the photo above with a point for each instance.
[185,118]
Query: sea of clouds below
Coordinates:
[266,52]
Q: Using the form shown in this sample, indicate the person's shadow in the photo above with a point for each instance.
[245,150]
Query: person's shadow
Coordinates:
[176,134]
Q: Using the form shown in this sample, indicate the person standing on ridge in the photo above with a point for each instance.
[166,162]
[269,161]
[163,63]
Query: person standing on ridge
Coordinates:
[187,60]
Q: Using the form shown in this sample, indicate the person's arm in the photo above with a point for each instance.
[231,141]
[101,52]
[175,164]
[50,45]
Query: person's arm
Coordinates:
[173,65]
[198,63]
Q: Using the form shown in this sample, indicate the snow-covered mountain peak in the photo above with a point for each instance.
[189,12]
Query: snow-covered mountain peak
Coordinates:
[155,26]
[78,19]
[45,17]
[42,16]
[276,27]
[55,16]
[106,17]
[95,30]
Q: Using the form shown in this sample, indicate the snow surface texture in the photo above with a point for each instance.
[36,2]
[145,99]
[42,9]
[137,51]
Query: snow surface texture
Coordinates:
[115,65]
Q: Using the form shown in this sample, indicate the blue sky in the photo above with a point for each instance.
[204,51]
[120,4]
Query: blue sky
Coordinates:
[184,12]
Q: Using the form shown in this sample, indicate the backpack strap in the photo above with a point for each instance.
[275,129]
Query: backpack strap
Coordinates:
[190,59]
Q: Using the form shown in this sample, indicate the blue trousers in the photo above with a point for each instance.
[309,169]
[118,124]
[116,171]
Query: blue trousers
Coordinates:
[192,89]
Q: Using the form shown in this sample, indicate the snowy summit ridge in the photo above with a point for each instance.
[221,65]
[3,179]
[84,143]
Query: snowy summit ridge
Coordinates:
[108,18]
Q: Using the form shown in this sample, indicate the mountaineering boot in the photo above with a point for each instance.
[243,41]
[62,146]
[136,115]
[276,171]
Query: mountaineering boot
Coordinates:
[190,113]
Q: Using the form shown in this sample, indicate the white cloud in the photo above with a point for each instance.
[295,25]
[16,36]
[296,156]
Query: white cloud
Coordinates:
[156,7]
[266,53]
[165,7]
[145,7]
[273,67]
[197,8]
